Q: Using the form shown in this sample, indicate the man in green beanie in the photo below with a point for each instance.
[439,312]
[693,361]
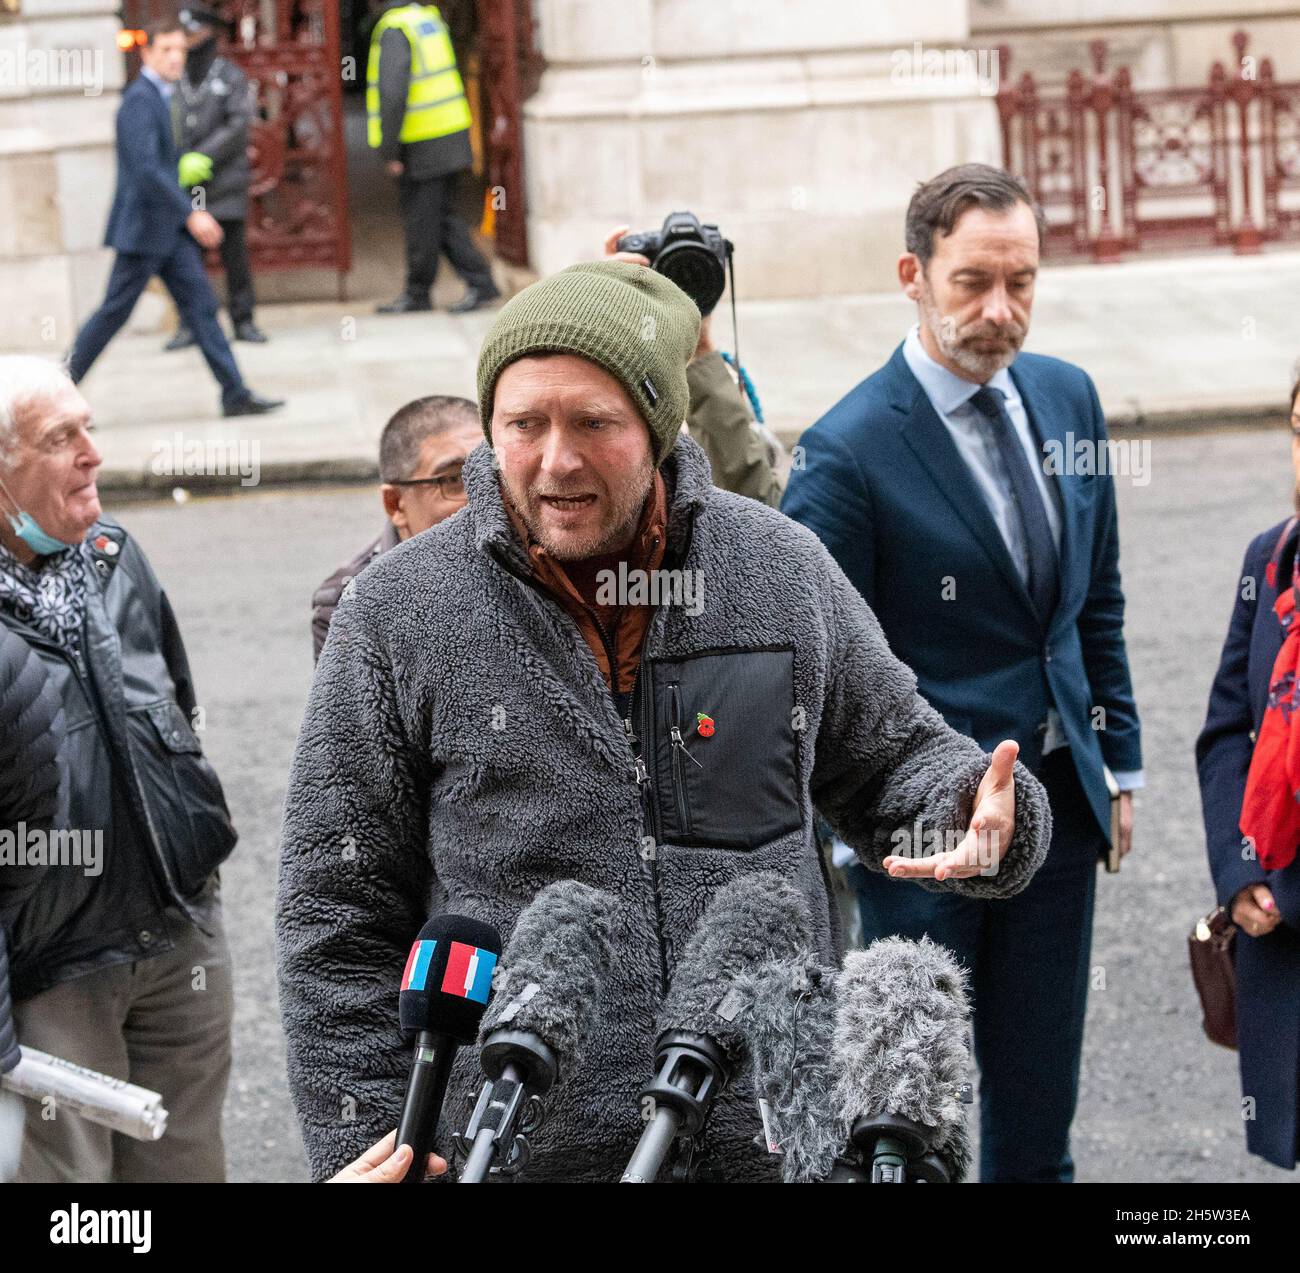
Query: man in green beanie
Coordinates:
[625,372]
[602,669]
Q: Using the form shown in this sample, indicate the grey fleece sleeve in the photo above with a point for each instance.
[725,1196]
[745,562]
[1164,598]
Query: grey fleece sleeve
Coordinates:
[355,883]
[887,764]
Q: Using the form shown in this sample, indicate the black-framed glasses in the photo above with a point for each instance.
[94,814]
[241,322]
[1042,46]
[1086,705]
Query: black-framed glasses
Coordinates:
[450,485]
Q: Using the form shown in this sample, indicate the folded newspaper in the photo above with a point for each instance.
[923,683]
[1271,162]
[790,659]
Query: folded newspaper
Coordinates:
[134,1111]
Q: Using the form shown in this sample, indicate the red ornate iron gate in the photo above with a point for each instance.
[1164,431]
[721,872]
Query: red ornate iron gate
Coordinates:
[1118,169]
[509,68]
[289,49]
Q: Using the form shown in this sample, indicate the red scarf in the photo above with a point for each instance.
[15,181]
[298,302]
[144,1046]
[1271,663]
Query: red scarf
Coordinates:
[1270,813]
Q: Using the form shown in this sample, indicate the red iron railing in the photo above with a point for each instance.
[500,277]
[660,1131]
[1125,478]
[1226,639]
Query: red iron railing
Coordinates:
[1119,169]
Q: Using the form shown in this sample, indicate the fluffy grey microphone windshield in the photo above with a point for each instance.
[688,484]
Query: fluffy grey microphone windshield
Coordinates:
[554,966]
[787,1010]
[749,921]
[902,1042]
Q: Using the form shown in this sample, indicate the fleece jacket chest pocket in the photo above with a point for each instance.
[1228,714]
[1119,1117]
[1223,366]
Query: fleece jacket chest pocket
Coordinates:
[725,748]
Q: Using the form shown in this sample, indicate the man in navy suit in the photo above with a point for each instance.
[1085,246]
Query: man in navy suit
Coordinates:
[156,231]
[948,487]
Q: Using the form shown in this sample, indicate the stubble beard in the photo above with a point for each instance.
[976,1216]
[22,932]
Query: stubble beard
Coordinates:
[624,505]
[952,340]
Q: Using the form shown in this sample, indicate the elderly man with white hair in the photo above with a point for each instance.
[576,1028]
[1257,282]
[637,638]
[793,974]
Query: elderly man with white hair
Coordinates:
[118,957]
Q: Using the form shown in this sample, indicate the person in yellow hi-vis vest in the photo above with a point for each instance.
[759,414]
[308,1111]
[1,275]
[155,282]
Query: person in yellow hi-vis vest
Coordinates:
[418,118]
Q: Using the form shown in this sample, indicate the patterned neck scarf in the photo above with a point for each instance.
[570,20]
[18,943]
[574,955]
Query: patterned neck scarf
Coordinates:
[1270,813]
[51,599]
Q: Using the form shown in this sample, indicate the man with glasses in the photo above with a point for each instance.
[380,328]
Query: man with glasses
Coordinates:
[421,452]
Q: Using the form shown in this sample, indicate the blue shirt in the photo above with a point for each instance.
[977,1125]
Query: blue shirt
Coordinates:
[165,87]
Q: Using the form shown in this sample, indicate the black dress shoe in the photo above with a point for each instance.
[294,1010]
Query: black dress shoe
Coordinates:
[183,339]
[474,298]
[407,305]
[253,404]
[250,332]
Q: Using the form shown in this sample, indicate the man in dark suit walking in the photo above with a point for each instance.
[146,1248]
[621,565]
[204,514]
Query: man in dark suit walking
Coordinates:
[156,231]
[993,567]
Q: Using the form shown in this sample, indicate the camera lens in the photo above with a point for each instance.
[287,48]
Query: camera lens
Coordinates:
[696,270]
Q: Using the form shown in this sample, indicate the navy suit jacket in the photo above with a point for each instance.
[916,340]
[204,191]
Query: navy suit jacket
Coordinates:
[1268,968]
[149,207]
[881,482]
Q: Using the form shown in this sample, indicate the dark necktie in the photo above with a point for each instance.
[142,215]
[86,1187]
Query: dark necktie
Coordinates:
[1043,571]
[177,107]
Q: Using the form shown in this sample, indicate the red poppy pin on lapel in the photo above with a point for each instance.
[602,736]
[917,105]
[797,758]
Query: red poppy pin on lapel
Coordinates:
[704,725]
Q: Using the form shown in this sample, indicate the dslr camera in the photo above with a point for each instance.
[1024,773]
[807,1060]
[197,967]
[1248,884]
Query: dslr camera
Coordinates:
[693,256]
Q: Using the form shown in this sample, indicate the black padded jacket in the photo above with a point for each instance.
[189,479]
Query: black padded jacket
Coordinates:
[137,783]
[31,730]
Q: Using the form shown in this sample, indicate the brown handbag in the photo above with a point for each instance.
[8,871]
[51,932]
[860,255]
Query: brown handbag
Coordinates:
[1210,948]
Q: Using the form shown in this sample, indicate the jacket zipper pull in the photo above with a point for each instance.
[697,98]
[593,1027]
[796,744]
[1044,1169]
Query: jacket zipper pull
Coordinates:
[675,735]
[642,773]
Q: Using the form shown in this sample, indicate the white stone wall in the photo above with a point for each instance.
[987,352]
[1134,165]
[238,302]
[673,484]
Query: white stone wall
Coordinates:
[1067,13]
[800,128]
[1165,43]
[60,80]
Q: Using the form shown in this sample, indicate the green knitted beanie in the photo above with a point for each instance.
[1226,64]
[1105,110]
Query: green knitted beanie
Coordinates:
[636,324]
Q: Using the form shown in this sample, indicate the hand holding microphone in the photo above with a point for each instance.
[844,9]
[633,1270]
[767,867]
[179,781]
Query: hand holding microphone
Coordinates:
[381,1164]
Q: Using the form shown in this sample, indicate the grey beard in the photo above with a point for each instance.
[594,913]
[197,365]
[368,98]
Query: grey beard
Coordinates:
[980,366]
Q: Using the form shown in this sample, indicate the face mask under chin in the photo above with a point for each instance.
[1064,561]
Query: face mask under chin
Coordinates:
[30,531]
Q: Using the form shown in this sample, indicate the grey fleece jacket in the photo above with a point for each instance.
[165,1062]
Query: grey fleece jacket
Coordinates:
[460,751]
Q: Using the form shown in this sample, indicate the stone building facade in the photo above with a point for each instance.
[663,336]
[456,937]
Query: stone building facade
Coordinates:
[801,127]
[60,81]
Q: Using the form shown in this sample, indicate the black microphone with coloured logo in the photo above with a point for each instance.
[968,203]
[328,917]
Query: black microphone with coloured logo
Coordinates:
[444,993]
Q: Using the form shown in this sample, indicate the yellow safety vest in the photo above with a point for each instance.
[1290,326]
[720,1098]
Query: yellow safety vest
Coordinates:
[435,98]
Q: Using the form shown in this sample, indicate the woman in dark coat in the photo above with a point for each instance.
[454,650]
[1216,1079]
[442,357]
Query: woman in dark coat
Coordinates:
[31,730]
[1263,899]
